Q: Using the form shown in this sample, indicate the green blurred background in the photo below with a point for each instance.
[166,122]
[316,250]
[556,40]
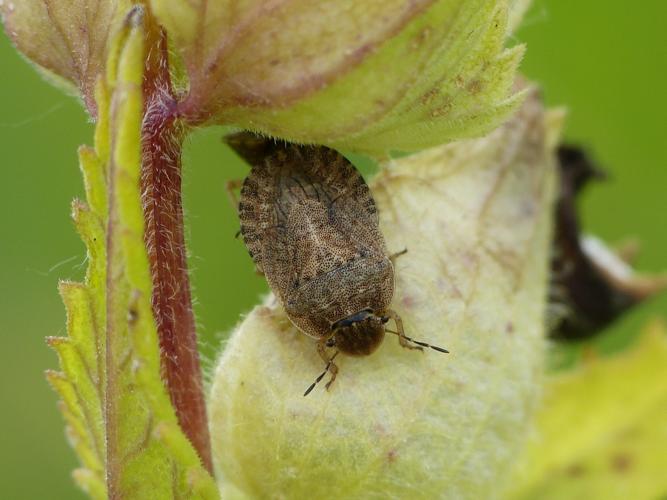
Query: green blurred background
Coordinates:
[605,60]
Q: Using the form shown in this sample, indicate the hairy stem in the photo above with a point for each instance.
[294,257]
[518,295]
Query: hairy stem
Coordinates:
[162,138]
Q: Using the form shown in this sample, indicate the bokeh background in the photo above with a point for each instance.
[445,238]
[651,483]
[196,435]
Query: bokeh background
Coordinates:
[606,60]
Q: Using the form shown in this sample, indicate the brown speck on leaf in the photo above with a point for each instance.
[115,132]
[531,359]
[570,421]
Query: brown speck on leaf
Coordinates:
[132,316]
[408,301]
[474,87]
[421,37]
[427,97]
[621,463]
[509,328]
[589,354]
[590,286]
[392,456]
[379,430]
[575,471]
[132,311]
[444,108]
[459,385]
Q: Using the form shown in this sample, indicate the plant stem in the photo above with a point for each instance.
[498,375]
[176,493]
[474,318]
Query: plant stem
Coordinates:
[162,139]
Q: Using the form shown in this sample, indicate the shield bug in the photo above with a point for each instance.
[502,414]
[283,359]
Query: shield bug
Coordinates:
[311,226]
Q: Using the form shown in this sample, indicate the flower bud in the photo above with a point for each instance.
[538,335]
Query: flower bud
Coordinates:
[475,217]
[370,76]
[67,41]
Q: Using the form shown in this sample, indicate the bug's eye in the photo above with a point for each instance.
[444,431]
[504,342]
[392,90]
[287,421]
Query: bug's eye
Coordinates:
[331,342]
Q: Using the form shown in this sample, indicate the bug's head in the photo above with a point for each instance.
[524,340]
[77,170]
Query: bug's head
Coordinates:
[359,334]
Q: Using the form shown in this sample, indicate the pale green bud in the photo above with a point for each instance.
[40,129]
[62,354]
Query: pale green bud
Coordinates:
[369,76]
[475,217]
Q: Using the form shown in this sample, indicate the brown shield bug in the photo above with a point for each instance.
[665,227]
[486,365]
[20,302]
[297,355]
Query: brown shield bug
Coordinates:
[311,226]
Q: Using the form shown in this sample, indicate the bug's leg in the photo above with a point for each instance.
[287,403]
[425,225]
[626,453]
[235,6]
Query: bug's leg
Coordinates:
[402,339]
[330,367]
[333,368]
[232,187]
[396,255]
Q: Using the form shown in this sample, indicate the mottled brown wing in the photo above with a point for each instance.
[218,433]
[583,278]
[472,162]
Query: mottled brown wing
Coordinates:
[320,274]
[308,246]
[285,175]
[327,214]
[255,214]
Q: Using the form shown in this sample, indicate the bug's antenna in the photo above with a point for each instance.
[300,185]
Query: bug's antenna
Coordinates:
[317,380]
[423,344]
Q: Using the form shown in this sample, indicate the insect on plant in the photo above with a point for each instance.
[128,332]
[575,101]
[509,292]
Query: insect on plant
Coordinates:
[311,226]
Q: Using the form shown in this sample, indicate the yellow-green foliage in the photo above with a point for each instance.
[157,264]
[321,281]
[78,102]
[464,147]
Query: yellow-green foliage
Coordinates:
[369,76]
[119,417]
[602,429]
[475,217]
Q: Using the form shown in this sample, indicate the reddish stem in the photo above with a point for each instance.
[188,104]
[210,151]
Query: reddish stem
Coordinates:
[162,138]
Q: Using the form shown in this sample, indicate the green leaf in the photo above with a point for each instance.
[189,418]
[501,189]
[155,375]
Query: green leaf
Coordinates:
[475,218]
[360,76]
[602,429]
[119,416]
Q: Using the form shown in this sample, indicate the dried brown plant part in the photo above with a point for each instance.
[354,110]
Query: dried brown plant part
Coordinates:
[591,286]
